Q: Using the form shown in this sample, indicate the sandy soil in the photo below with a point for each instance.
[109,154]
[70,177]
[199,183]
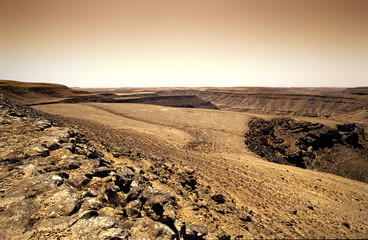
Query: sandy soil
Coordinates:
[287,202]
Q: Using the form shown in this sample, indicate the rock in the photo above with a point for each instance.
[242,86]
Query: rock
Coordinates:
[218,197]
[245,218]
[92,203]
[51,143]
[70,164]
[78,180]
[38,150]
[188,180]
[135,204]
[346,224]
[348,127]
[48,225]
[189,170]
[309,145]
[133,212]
[88,151]
[152,196]
[62,203]
[116,154]
[69,146]
[58,180]
[223,236]
[31,187]
[195,231]
[115,197]
[134,193]
[102,172]
[113,234]
[43,124]
[168,216]
[80,150]
[95,227]
[180,228]
[63,134]
[159,204]
[15,219]
[104,163]
[124,178]
[16,114]
[133,208]
[29,171]
[146,228]
[62,154]
[64,175]
[352,139]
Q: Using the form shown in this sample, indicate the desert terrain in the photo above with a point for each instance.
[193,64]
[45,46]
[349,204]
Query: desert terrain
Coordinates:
[201,145]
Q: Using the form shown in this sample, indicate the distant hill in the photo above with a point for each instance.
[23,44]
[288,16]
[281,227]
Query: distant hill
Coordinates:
[27,92]
[48,93]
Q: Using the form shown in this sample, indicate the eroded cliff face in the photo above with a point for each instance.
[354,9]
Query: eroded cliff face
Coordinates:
[308,102]
[341,150]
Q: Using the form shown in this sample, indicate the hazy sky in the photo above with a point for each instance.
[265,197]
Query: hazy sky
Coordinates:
[134,43]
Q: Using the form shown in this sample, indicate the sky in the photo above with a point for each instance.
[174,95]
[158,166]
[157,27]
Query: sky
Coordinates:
[185,43]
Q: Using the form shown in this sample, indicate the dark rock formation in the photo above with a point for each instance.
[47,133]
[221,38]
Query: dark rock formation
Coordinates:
[311,145]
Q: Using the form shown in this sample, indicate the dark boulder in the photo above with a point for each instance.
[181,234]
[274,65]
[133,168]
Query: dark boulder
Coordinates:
[124,178]
[218,197]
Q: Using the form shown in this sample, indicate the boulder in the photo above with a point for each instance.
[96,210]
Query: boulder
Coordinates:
[124,178]
[62,203]
[218,197]
[37,150]
[100,227]
[146,228]
[194,231]
[188,180]
[114,196]
[159,204]
[101,172]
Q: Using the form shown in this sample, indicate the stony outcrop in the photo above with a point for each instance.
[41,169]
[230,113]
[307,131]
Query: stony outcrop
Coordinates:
[311,145]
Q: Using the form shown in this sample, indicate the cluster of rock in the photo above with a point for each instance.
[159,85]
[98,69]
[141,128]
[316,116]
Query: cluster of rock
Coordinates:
[308,145]
[55,184]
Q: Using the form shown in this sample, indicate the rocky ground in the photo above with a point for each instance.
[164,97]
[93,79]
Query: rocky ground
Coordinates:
[56,184]
[311,145]
[262,199]
[138,171]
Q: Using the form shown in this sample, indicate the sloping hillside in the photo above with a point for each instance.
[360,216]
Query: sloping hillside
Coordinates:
[26,93]
[47,93]
[260,199]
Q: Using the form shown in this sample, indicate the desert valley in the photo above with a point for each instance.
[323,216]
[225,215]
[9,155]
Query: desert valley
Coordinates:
[183,163]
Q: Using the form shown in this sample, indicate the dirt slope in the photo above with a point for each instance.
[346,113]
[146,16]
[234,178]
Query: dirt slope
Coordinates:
[280,201]
[57,184]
